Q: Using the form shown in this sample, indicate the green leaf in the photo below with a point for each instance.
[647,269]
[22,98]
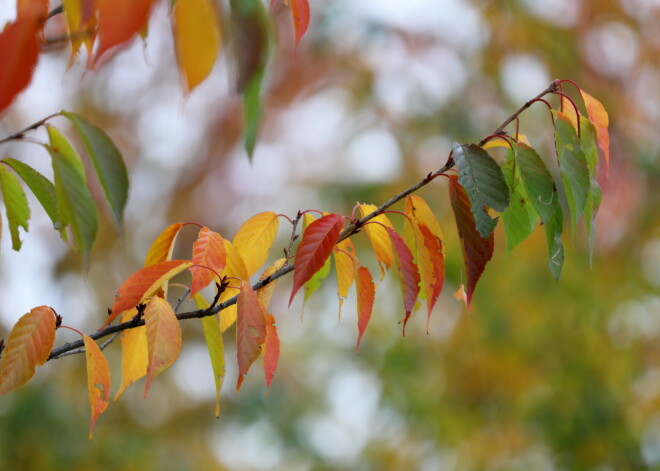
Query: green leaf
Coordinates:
[108,163]
[484,182]
[315,281]
[216,348]
[519,218]
[74,200]
[537,181]
[554,227]
[42,189]
[16,204]
[588,141]
[573,167]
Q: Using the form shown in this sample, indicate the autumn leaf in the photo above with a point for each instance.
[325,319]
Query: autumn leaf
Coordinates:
[366,292]
[254,239]
[266,293]
[477,250]
[599,118]
[134,353]
[378,237]
[408,272]
[250,330]
[300,15]
[484,183]
[216,348]
[143,283]
[16,204]
[271,350]
[346,265]
[315,281]
[28,346]
[569,111]
[80,18]
[19,51]
[32,8]
[208,252]
[98,380]
[196,29]
[163,338]
[235,267]
[314,248]
[161,248]
[588,141]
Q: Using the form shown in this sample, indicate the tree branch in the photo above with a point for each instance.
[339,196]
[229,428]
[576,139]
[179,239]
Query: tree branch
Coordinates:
[350,230]
[21,134]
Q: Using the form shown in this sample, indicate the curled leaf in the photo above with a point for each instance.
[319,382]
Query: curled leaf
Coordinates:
[161,248]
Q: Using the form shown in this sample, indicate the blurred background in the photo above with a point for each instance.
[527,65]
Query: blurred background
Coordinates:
[540,375]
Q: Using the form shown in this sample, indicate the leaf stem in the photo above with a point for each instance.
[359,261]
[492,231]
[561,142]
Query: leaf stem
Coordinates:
[21,134]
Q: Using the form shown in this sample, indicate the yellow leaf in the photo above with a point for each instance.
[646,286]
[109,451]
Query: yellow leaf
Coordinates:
[197,38]
[81,23]
[134,353]
[163,338]
[216,348]
[161,249]
[235,267]
[501,142]
[255,238]
[346,267]
[416,207]
[98,380]
[379,237]
[266,293]
[568,109]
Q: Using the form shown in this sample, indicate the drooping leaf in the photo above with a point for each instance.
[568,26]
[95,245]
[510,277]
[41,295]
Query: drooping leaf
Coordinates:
[569,111]
[208,252]
[315,281]
[107,162]
[588,141]
[266,293]
[519,217]
[366,292]
[271,349]
[408,273]
[143,283]
[573,166]
[161,249]
[300,15]
[19,51]
[40,186]
[378,237]
[134,353]
[98,380]
[196,27]
[417,208]
[163,338]
[216,348]
[31,8]
[553,231]
[16,204]
[28,346]
[477,250]
[250,330]
[74,201]
[537,181]
[80,18]
[599,118]
[460,295]
[346,265]
[119,21]
[254,239]
[484,182]
[314,248]
[235,267]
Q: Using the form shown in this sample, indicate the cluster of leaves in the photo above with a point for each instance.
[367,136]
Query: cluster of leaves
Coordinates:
[520,188]
[105,27]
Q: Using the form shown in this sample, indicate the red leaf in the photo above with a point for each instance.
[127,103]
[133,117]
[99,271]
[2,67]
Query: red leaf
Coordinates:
[144,283]
[271,349]
[119,21]
[364,285]
[432,262]
[163,338]
[300,15]
[208,251]
[250,330]
[316,246]
[28,346]
[477,251]
[19,51]
[408,272]
[161,249]
[98,380]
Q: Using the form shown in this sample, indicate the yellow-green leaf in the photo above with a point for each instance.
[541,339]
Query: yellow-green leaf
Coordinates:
[216,347]
[16,204]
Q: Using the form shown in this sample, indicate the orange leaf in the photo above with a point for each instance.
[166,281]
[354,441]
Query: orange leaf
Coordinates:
[119,21]
[208,251]
[33,8]
[235,267]
[196,28]
[408,273]
[19,51]
[600,120]
[315,247]
[81,22]
[98,380]
[266,293]
[250,330]
[161,249]
[477,251]
[254,239]
[28,346]
[568,110]
[379,238]
[134,353]
[431,257]
[345,265]
[300,14]
[365,300]
[271,349]
[417,208]
[143,283]
[163,338]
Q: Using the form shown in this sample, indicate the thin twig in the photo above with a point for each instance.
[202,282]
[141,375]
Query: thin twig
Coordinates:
[56,11]
[21,134]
